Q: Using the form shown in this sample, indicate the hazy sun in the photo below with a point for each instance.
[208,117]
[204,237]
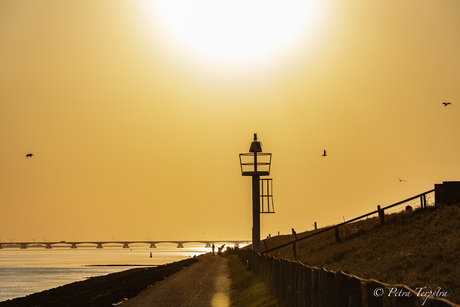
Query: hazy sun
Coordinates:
[234,30]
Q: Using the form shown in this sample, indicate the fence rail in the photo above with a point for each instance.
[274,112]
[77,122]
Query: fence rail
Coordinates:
[379,211]
[298,285]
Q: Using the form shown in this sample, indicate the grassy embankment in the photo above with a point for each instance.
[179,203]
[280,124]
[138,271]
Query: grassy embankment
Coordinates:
[419,249]
[246,288]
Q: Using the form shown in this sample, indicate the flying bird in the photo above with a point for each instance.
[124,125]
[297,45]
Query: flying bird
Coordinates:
[401,180]
[29,155]
[446,103]
[324,154]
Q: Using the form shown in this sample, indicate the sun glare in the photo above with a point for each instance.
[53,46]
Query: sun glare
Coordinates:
[235,30]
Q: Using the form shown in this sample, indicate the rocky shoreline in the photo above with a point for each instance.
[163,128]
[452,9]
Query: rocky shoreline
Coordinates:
[108,290]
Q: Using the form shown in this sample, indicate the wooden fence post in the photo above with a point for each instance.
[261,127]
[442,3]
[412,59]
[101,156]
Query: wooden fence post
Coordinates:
[289,284]
[330,290]
[264,268]
[326,288]
[278,279]
[294,233]
[286,283]
[294,250]
[258,262]
[273,276]
[374,297]
[305,288]
[315,288]
[423,200]
[355,293]
[341,295]
[293,277]
[300,284]
[322,290]
[381,215]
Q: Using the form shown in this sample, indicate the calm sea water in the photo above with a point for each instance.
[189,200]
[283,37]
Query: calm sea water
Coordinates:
[27,271]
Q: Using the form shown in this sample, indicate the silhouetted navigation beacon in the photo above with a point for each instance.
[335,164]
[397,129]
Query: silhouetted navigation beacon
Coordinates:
[256,164]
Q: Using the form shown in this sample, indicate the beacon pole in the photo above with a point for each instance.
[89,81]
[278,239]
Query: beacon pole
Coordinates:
[256,211]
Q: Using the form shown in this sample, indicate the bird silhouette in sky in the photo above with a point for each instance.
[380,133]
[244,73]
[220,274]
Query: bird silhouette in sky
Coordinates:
[446,103]
[401,180]
[29,155]
[324,154]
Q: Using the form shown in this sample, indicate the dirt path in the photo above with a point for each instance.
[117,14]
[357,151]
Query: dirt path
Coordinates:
[204,283]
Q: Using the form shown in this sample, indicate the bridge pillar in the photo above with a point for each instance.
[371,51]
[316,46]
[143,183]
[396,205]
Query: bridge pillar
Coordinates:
[24,246]
[179,245]
[152,245]
[73,245]
[208,244]
[125,245]
[1,246]
[237,245]
[99,245]
[48,246]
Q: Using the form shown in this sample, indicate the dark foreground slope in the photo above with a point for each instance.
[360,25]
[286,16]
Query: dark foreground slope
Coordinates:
[102,290]
[420,248]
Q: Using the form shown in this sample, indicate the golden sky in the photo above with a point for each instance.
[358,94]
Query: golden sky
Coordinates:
[136,112]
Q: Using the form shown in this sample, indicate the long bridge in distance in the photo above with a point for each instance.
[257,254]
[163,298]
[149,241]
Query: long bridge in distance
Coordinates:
[125,244]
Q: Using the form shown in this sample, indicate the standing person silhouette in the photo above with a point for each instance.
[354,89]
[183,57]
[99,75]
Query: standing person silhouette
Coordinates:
[213,247]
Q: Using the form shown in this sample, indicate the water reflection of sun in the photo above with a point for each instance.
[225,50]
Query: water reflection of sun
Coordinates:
[236,30]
